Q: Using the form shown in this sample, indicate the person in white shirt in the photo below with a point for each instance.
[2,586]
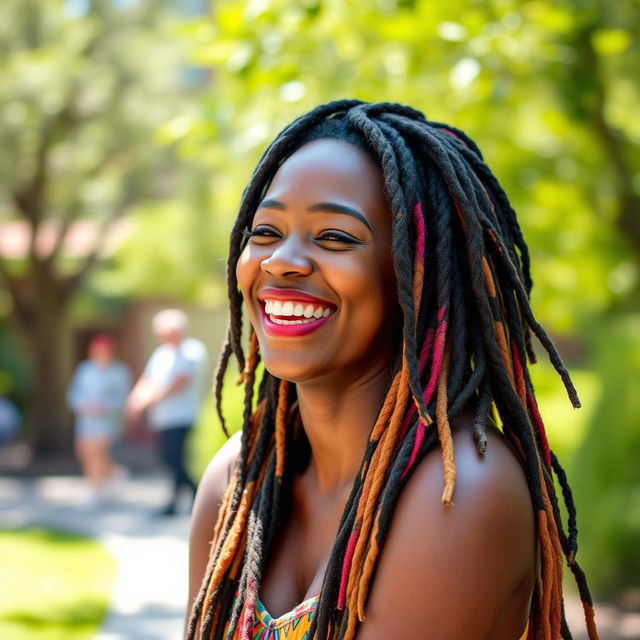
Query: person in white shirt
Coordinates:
[171,389]
[96,395]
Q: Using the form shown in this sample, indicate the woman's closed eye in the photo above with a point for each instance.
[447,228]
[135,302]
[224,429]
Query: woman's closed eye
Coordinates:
[333,236]
[264,234]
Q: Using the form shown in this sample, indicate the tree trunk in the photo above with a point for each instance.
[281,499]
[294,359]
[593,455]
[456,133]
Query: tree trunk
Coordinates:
[47,417]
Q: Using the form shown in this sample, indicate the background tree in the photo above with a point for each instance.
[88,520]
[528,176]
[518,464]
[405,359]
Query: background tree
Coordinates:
[82,87]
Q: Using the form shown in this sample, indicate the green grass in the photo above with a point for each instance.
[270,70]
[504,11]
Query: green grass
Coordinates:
[53,585]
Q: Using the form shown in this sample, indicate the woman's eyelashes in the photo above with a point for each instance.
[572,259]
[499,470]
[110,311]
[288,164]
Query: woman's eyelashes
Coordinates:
[332,235]
[263,234]
[260,231]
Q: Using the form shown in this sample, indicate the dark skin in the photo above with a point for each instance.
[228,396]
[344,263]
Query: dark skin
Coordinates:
[464,571]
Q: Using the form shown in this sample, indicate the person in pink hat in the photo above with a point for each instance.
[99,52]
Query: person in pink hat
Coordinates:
[97,395]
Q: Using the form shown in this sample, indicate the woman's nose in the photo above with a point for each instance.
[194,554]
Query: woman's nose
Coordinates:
[289,258]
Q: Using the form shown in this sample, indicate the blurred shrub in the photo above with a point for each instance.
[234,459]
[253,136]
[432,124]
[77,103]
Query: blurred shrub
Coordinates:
[606,466]
[208,436]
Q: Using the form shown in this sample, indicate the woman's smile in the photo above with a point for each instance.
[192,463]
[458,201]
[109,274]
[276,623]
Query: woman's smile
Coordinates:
[292,312]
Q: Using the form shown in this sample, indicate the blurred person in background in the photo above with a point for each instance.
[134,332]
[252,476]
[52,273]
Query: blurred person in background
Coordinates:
[171,390]
[10,420]
[97,395]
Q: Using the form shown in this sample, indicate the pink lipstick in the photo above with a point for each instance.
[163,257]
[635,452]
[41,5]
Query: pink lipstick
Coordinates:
[292,312]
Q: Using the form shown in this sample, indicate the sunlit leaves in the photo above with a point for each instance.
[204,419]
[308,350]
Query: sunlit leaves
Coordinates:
[507,72]
[81,91]
[611,42]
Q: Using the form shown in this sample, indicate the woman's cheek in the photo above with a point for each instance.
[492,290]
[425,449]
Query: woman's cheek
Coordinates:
[246,271]
[363,278]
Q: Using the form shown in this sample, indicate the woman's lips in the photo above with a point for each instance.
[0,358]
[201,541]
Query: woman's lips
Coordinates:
[291,312]
[275,328]
[277,293]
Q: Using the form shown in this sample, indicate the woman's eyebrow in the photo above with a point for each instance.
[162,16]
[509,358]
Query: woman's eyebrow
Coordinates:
[334,207]
[270,203]
[329,207]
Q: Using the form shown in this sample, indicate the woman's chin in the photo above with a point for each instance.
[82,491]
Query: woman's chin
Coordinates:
[290,374]
[293,372]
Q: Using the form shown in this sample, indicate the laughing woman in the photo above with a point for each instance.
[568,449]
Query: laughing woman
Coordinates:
[392,479]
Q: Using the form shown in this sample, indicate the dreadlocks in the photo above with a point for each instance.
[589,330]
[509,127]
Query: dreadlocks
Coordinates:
[466,336]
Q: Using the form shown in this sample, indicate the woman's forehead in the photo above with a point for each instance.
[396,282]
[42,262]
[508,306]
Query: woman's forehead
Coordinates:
[328,169]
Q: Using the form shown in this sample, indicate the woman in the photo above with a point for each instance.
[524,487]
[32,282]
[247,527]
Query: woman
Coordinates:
[386,281]
[97,395]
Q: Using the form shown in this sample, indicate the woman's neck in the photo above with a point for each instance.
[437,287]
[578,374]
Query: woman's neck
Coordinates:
[337,420]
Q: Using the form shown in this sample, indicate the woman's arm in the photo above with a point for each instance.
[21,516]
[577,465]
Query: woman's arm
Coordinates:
[459,572]
[205,511]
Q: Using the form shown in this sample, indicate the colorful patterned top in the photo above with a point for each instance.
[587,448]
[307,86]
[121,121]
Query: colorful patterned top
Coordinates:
[293,625]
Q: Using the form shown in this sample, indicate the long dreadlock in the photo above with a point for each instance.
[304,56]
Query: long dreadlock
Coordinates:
[466,335]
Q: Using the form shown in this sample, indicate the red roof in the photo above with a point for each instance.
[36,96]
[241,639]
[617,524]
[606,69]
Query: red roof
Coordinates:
[15,237]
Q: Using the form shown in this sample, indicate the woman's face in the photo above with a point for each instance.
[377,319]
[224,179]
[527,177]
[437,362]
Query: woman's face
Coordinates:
[316,273]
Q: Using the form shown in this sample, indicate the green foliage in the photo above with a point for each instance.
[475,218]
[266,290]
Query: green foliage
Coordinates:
[565,426]
[56,585]
[207,436]
[608,494]
[505,71]
[173,248]
[80,95]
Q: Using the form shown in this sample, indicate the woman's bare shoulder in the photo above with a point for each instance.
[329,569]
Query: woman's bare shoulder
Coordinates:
[479,551]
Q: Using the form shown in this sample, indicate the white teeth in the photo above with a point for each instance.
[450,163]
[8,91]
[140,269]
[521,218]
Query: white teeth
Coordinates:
[282,321]
[306,312]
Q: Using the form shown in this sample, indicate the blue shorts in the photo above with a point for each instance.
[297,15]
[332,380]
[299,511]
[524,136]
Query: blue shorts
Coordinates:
[85,430]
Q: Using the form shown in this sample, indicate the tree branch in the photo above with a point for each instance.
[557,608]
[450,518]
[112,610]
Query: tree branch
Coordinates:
[75,208]
[20,303]
[70,216]
[28,198]
[75,280]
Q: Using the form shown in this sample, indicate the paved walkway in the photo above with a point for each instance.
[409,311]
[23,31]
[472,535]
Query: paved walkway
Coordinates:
[149,595]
